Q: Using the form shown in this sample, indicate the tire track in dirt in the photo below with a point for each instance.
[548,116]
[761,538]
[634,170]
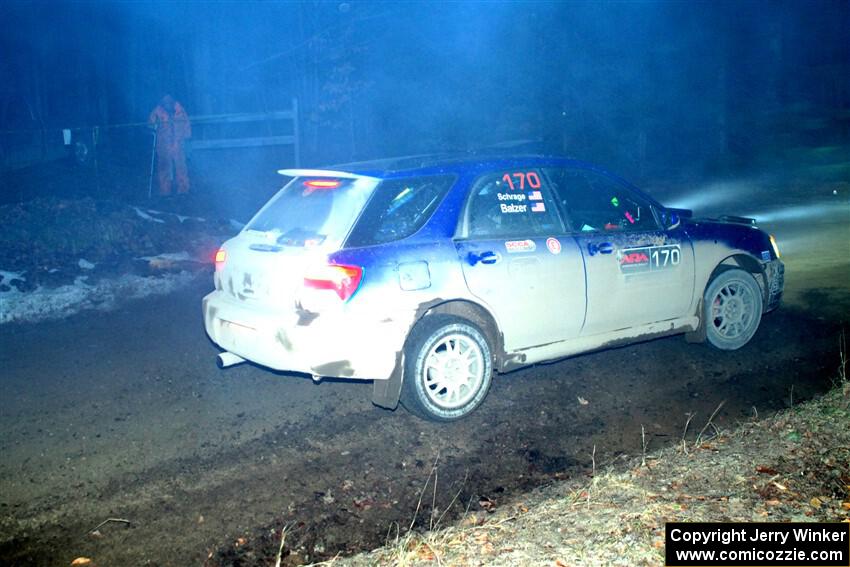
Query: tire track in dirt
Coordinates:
[340,473]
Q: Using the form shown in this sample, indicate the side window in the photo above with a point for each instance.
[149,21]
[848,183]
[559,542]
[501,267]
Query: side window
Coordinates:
[596,203]
[512,203]
[398,208]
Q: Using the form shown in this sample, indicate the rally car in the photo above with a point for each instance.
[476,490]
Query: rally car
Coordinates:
[428,275]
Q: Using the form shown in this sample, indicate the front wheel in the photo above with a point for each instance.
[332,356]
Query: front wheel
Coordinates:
[733,309]
[448,369]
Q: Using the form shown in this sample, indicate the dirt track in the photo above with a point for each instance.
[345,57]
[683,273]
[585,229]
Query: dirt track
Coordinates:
[124,415]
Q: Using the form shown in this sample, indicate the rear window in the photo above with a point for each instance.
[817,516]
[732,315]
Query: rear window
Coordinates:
[313,211]
[399,208]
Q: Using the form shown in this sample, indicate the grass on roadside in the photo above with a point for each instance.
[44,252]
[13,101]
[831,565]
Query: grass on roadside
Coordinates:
[793,466]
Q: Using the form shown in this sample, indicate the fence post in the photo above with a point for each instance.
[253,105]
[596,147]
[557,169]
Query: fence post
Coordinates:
[95,132]
[296,132]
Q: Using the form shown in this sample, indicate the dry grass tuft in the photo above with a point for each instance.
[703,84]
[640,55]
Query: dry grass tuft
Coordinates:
[843,381]
[793,466]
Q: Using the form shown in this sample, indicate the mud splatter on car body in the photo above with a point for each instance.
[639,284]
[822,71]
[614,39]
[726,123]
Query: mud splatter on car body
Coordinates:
[339,270]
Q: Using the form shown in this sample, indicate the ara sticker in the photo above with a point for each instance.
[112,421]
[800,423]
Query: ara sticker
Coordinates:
[535,196]
[634,260]
[514,246]
[554,245]
[649,258]
[538,207]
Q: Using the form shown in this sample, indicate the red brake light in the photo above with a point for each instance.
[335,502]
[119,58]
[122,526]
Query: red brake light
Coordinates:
[220,256]
[344,280]
[320,184]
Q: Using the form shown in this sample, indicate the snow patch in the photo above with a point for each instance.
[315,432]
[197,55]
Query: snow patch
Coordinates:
[146,216]
[180,218]
[85,264]
[172,257]
[236,224]
[12,276]
[55,303]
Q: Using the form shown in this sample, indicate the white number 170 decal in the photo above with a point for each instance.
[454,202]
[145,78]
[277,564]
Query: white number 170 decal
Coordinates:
[649,258]
[664,256]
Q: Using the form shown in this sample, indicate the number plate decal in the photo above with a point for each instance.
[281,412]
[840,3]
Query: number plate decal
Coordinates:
[649,258]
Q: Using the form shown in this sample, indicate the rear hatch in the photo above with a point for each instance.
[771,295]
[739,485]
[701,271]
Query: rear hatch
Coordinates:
[291,237]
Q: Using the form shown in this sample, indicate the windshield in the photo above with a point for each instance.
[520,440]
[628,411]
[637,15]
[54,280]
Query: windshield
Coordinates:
[311,211]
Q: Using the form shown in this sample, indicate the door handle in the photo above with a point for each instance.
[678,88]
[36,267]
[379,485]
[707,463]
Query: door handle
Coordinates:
[601,248]
[488,257]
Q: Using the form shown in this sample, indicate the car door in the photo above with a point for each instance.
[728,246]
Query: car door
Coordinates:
[637,272]
[519,261]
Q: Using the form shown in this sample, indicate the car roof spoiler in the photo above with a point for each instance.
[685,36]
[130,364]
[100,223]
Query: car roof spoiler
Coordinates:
[322,173]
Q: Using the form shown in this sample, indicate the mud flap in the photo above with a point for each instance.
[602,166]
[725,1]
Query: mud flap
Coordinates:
[699,335]
[386,393]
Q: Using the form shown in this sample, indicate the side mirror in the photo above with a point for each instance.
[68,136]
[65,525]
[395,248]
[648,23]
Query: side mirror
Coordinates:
[672,218]
[673,221]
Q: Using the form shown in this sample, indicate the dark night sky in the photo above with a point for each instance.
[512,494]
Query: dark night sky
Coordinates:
[615,80]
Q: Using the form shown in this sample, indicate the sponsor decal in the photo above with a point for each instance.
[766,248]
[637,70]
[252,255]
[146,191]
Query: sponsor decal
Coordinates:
[649,258]
[514,246]
[634,261]
[554,245]
[630,217]
[511,196]
[765,255]
[535,196]
[513,208]
[615,201]
[538,207]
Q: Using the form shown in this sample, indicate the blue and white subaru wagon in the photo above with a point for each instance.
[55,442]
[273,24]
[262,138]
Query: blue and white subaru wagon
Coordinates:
[427,275]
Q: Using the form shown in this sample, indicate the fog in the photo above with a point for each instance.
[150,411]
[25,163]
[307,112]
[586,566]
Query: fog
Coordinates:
[113,408]
[645,87]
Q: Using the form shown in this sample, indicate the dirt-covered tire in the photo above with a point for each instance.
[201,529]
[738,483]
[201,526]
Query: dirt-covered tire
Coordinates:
[733,307]
[448,368]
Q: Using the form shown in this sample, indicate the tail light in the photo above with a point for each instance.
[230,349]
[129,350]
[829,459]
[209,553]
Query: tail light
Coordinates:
[220,256]
[344,280]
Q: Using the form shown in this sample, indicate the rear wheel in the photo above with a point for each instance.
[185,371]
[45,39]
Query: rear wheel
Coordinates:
[733,309]
[448,369]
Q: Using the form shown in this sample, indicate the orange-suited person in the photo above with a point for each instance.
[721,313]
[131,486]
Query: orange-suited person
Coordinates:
[172,128]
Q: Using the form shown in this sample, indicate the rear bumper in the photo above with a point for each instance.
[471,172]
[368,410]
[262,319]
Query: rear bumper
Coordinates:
[330,345]
[774,273]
